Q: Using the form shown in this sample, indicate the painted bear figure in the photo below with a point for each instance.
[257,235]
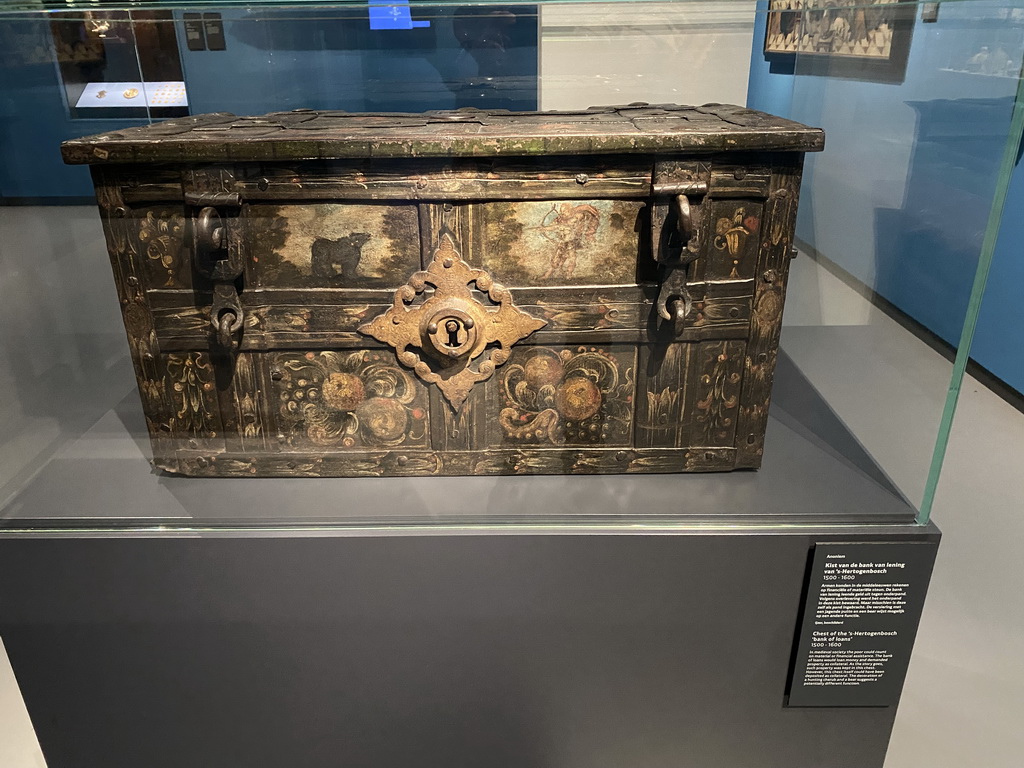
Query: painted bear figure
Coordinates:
[336,260]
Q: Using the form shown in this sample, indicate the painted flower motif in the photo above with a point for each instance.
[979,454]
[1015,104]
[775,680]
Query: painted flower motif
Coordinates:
[350,399]
[731,234]
[162,239]
[716,410]
[577,396]
[191,379]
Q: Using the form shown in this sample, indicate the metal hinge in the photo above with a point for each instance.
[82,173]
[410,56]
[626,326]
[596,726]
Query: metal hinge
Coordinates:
[223,264]
[678,189]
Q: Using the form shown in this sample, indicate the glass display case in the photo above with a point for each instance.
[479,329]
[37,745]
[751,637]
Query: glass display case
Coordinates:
[571,618]
[897,229]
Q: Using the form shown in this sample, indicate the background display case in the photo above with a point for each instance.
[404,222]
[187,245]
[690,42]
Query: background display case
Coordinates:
[901,234]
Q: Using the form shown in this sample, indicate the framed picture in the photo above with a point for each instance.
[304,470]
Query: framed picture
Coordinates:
[861,39]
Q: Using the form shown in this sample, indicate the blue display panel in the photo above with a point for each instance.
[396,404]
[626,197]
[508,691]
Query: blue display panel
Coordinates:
[388,57]
[393,14]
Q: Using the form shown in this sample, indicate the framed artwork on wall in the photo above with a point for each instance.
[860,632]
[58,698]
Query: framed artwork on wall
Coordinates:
[859,39]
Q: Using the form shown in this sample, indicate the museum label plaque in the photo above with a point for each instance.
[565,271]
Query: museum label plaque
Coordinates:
[860,617]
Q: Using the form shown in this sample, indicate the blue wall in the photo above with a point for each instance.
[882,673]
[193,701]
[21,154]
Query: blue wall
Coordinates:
[901,196]
[999,342]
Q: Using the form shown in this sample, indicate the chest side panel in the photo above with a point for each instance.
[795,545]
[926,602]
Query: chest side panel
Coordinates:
[690,380]
[776,252]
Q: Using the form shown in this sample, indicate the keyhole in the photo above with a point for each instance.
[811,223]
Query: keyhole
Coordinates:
[452,327]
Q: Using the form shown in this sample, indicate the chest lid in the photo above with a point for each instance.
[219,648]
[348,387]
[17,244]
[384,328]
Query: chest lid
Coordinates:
[308,134]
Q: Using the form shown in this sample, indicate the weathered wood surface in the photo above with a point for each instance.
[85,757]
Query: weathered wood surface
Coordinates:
[766,317]
[329,318]
[472,462]
[551,177]
[306,134]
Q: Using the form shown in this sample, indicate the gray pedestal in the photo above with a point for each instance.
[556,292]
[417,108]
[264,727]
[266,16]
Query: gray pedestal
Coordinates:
[540,649]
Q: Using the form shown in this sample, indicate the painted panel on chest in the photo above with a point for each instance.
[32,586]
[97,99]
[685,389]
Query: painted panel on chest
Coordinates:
[574,242]
[249,402]
[192,385]
[719,369]
[661,395]
[734,246]
[575,396]
[347,401]
[159,239]
[333,245]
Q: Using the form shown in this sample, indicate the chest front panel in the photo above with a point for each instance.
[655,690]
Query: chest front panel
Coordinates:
[534,293]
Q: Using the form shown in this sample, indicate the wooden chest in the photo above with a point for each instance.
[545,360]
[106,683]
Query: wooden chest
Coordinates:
[453,293]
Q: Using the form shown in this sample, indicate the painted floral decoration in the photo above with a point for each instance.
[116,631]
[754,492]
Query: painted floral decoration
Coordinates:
[582,396]
[350,399]
[161,237]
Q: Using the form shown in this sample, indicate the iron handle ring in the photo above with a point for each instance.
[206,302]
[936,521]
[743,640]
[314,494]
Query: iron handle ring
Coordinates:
[684,218]
[210,229]
[228,322]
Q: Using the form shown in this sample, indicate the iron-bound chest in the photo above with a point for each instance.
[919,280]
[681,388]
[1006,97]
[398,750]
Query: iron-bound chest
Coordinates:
[453,293]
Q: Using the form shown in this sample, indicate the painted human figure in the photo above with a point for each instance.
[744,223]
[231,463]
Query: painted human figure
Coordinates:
[571,228]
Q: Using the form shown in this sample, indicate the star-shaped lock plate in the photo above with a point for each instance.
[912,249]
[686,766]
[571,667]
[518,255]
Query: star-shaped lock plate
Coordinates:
[451,338]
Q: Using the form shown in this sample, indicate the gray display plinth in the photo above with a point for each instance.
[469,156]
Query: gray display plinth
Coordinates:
[641,649]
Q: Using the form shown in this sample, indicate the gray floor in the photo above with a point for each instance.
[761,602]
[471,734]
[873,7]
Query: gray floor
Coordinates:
[963,704]
[964,697]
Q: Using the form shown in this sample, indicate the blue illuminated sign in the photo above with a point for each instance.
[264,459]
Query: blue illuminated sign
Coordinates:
[393,14]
